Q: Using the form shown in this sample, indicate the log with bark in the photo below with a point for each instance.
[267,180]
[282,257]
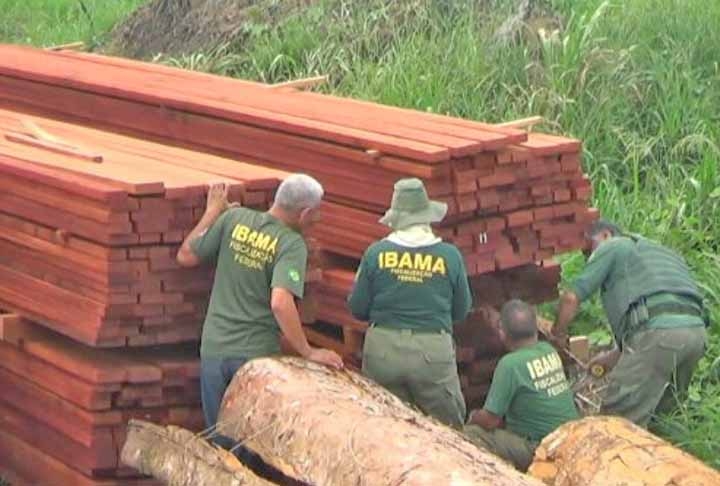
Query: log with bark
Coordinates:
[336,428]
[181,458]
[612,451]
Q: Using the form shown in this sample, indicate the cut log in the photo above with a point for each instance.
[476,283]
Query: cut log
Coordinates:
[329,427]
[180,458]
[612,451]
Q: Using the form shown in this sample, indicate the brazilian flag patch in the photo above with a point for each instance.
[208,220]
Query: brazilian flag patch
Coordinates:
[294,275]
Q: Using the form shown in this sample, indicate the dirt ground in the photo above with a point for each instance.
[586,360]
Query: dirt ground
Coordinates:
[175,27]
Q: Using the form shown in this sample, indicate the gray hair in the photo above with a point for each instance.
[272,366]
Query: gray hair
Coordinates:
[518,320]
[298,192]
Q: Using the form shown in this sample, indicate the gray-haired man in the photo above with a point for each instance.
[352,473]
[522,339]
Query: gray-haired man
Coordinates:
[260,260]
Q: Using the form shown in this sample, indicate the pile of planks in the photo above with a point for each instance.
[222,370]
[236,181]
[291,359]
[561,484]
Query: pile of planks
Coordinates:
[89,228]
[98,240]
[514,198]
[64,405]
[104,164]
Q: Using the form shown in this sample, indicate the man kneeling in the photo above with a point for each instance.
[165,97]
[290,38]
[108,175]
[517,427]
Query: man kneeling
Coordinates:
[529,390]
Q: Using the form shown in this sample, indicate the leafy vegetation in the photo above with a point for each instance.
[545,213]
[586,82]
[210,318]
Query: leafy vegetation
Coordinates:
[638,82]
[53,22]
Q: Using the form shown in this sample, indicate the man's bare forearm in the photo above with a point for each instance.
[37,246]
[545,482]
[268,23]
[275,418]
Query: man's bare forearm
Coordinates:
[567,310]
[486,420]
[287,317]
[185,254]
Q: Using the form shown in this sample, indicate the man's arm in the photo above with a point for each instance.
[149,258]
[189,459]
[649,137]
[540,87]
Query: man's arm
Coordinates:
[282,303]
[283,307]
[217,203]
[498,401]
[589,281]
[288,282]
[567,310]
[486,420]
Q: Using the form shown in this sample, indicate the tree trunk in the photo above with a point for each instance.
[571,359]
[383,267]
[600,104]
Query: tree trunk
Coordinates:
[180,458]
[612,451]
[335,428]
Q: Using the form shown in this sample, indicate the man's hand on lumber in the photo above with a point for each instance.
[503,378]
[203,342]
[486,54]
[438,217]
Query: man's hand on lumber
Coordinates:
[217,198]
[217,203]
[283,307]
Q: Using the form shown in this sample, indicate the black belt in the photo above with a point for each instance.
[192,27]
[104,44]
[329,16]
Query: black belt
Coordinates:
[430,330]
[673,308]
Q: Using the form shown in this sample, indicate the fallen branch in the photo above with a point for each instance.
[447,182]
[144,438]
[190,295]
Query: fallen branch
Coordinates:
[526,123]
[301,83]
[72,46]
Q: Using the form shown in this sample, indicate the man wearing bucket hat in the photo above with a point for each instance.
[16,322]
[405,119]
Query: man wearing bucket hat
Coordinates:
[411,287]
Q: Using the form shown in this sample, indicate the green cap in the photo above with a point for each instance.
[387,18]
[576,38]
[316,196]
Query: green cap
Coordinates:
[411,205]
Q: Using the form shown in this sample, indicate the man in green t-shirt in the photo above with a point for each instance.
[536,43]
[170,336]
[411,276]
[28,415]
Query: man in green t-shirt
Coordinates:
[656,313]
[260,261]
[529,393]
[412,287]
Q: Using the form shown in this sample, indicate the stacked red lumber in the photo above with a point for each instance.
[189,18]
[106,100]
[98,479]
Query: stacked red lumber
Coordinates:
[513,198]
[98,240]
[68,404]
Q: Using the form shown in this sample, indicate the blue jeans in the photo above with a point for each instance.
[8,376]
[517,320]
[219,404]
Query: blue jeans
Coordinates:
[215,376]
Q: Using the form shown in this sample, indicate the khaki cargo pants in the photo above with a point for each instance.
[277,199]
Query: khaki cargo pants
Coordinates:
[419,368]
[654,370]
[515,449]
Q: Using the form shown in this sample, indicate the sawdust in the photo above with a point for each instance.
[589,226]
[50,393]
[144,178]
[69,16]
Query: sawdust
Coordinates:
[175,27]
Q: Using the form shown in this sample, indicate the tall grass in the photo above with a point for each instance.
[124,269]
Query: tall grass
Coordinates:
[638,82]
[53,22]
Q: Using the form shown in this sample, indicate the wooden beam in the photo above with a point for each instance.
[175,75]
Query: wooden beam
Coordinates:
[14,329]
[39,133]
[40,138]
[301,83]
[53,146]
[580,347]
[72,46]
[523,122]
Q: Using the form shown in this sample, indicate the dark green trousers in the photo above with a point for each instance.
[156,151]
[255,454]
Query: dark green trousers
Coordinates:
[515,449]
[653,372]
[419,368]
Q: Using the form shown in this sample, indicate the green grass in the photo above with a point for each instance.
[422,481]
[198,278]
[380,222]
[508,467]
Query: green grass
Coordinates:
[638,82]
[52,22]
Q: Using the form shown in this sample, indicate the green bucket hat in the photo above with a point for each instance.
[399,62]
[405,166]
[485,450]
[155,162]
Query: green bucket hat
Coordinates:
[411,205]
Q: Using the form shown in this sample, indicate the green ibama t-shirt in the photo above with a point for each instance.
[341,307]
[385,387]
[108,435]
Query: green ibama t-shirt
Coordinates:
[529,388]
[254,252]
[423,288]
